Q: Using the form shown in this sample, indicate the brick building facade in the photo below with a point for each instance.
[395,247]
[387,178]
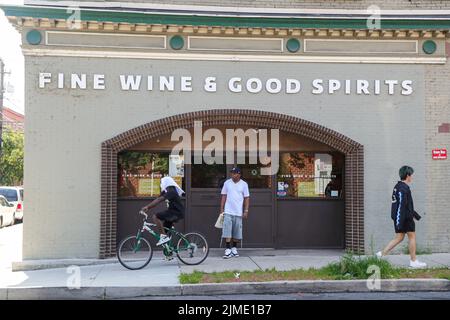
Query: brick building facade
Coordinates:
[334,77]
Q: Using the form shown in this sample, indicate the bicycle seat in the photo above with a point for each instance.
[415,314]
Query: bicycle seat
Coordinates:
[174,219]
[148,224]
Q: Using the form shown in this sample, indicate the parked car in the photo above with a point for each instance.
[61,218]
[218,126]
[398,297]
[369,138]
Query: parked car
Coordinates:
[14,195]
[6,212]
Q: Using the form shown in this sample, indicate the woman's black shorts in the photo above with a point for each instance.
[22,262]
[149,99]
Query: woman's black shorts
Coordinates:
[408,226]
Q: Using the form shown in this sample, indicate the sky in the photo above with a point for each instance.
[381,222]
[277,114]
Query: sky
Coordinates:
[11,54]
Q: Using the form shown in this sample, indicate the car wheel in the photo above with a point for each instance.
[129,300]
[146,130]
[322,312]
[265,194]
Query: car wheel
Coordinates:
[13,219]
[1,222]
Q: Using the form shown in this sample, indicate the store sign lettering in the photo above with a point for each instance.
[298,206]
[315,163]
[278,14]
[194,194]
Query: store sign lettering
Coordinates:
[238,84]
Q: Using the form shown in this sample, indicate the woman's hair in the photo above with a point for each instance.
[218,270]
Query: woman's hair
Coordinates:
[405,171]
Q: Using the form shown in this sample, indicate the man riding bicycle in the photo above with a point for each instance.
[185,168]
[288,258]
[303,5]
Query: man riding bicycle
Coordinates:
[171,193]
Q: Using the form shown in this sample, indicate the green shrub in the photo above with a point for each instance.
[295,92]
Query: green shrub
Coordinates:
[356,267]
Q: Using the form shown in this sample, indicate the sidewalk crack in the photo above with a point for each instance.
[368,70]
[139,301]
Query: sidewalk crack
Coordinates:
[255,263]
[92,280]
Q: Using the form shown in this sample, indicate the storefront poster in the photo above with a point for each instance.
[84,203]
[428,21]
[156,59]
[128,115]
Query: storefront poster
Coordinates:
[281,189]
[306,189]
[149,186]
[176,166]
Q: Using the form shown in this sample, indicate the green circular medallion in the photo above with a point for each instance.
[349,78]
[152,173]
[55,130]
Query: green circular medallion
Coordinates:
[34,37]
[176,42]
[429,47]
[293,45]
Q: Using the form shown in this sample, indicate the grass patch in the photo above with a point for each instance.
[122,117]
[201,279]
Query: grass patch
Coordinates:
[349,267]
[194,277]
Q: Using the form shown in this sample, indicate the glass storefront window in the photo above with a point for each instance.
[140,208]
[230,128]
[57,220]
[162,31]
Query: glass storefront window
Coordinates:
[214,175]
[208,175]
[251,173]
[140,172]
[310,174]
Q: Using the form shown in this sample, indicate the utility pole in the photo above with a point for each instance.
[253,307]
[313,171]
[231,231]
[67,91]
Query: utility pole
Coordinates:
[2,91]
[2,76]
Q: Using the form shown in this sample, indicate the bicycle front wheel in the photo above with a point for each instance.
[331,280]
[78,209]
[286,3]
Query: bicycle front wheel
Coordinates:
[192,248]
[134,254]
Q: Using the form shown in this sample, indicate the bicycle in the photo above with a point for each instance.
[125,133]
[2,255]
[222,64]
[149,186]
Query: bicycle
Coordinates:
[135,252]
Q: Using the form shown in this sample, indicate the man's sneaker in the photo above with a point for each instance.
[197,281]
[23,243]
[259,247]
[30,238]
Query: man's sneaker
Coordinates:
[228,254]
[379,254]
[234,252]
[417,264]
[163,239]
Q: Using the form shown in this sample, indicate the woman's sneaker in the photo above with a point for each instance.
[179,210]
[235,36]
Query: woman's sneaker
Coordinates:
[379,254]
[234,252]
[417,264]
[228,254]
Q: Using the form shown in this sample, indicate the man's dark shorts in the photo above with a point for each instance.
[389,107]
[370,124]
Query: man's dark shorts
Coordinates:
[169,217]
[408,226]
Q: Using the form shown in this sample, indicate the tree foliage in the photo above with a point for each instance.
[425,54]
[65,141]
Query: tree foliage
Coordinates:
[11,161]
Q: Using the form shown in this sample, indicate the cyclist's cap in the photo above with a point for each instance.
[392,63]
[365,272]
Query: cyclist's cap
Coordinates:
[236,170]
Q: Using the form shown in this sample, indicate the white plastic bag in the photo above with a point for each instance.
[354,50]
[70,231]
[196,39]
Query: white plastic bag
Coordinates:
[219,222]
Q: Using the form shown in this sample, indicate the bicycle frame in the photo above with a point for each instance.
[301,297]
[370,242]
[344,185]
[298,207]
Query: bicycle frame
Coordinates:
[168,246]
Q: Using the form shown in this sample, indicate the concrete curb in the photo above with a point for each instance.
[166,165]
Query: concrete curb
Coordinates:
[315,286]
[133,292]
[273,287]
[55,293]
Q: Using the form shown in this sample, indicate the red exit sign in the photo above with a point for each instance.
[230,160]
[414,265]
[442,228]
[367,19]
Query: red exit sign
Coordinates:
[439,154]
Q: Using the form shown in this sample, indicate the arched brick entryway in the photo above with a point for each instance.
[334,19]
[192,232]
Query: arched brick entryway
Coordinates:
[354,164]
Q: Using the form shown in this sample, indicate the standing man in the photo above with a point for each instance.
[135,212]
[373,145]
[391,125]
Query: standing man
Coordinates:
[402,213]
[234,206]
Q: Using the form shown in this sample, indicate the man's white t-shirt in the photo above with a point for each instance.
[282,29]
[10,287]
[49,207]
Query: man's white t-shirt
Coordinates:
[235,192]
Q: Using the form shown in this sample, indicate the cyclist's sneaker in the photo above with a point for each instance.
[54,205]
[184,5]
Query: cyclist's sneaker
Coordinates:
[163,239]
[234,252]
[228,254]
[169,257]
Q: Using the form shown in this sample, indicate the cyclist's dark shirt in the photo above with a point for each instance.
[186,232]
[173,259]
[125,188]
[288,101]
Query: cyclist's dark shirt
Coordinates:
[174,200]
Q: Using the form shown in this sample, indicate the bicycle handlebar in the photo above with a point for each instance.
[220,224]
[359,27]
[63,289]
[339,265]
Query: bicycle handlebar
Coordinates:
[142,212]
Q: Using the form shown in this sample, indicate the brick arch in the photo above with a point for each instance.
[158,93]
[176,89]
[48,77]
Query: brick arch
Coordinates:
[354,163]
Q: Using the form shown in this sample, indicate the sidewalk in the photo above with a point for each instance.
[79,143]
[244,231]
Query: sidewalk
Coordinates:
[160,277]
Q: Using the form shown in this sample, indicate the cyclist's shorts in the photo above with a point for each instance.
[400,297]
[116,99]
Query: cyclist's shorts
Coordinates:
[169,217]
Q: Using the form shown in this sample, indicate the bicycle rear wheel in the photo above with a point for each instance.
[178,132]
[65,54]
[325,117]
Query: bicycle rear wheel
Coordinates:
[134,254]
[192,248]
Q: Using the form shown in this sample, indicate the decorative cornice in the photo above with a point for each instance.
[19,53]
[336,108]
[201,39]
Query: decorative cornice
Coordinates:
[306,25]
